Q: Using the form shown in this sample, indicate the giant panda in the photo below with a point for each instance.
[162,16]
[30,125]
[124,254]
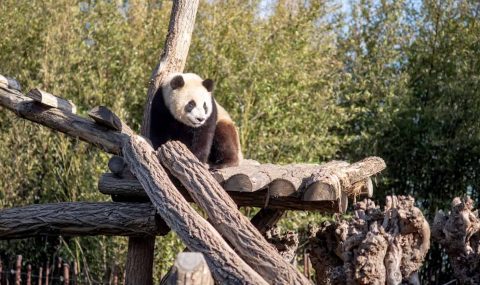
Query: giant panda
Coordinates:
[184,109]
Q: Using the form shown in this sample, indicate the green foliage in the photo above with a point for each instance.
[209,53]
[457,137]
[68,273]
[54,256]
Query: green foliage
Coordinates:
[398,79]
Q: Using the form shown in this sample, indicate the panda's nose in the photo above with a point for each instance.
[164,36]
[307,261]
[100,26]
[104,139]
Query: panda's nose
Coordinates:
[200,119]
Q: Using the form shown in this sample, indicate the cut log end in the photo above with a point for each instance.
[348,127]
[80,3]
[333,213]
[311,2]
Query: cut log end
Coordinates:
[320,192]
[238,182]
[117,165]
[51,100]
[281,188]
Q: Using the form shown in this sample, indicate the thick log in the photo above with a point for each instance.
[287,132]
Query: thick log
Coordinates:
[190,268]
[197,234]
[225,216]
[103,116]
[80,219]
[65,122]
[175,51]
[51,100]
[129,189]
[459,234]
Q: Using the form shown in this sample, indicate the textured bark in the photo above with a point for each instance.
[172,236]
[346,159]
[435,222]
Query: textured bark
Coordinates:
[190,268]
[129,189]
[225,217]
[175,51]
[80,219]
[65,122]
[459,233]
[286,243]
[53,101]
[139,269]
[375,247]
[197,234]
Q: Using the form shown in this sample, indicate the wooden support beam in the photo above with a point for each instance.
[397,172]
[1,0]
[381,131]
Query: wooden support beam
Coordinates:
[197,234]
[226,218]
[81,219]
[11,83]
[51,100]
[190,268]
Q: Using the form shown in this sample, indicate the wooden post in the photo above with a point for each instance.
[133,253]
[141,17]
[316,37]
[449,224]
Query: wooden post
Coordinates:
[74,272]
[29,274]
[172,59]
[190,268]
[47,273]
[40,275]
[66,273]
[18,270]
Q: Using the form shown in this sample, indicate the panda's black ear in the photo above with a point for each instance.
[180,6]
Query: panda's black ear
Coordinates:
[208,83]
[177,82]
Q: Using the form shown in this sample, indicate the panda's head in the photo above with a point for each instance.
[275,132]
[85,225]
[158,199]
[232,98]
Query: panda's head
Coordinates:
[189,98]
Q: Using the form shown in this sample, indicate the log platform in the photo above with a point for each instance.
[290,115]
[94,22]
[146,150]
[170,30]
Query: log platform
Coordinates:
[321,187]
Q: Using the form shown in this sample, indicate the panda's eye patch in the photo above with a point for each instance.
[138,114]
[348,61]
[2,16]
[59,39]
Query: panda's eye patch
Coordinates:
[189,107]
[205,107]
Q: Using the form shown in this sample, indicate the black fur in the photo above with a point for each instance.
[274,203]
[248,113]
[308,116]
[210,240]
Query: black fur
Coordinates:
[177,82]
[208,83]
[165,127]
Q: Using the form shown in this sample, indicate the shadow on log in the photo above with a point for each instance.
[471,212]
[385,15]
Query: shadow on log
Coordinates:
[459,233]
[375,247]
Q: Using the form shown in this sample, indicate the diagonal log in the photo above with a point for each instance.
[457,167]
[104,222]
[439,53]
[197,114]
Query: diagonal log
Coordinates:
[199,236]
[80,219]
[225,217]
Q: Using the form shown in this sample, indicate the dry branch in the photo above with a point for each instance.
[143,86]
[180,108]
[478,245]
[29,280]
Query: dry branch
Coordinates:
[375,247]
[225,217]
[195,232]
[459,233]
[80,219]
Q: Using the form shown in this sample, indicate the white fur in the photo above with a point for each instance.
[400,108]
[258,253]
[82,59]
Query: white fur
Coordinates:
[177,99]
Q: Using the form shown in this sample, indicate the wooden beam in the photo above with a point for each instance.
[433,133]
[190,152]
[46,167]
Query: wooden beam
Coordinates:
[51,100]
[197,234]
[265,219]
[223,213]
[80,219]
[190,268]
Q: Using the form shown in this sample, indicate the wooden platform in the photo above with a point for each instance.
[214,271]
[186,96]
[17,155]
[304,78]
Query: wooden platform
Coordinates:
[324,187]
